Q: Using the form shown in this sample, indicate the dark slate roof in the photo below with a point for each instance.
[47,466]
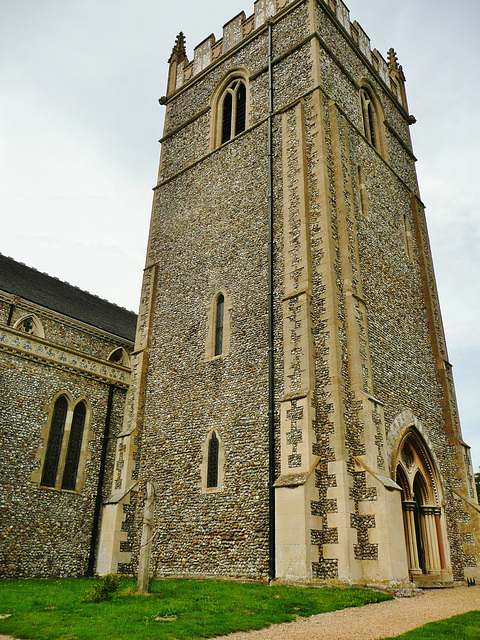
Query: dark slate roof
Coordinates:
[32,285]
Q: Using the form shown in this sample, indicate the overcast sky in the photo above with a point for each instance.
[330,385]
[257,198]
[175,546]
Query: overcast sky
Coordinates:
[80,121]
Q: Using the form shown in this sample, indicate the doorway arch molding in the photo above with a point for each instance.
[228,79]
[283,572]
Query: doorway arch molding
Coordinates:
[414,466]
[404,424]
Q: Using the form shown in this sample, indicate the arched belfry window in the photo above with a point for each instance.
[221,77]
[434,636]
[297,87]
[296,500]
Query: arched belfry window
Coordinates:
[234,110]
[373,118]
[230,107]
[369,117]
[66,436]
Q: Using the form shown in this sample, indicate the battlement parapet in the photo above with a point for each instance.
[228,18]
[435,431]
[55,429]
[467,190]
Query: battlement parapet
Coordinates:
[240,27]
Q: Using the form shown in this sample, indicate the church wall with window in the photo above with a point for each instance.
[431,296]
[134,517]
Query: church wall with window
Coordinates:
[54,400]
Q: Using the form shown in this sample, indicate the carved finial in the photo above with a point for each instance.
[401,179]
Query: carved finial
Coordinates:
[178,52]
[392,59]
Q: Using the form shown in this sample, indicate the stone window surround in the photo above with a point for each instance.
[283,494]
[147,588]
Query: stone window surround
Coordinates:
[216,105]
[379,117]
[37,325]
[211,326]
[87,437]
[124,361]
[204,464]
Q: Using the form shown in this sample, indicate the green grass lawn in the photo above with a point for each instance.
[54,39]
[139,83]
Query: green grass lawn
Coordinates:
[463,627]
[180,609]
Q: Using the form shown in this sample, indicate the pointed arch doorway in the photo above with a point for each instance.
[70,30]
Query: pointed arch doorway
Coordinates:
[423,515]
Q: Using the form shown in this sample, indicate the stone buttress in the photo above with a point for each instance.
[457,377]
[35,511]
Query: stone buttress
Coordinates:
[114,548]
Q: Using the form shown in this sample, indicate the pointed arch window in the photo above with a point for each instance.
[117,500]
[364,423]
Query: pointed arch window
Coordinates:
[55,440]
[212,468]
[218,336]
[74,447]
[219,318]
[373,118]
[30,325]
[212,462]
[369,117]
[65,452]
[234,110]
[230,107]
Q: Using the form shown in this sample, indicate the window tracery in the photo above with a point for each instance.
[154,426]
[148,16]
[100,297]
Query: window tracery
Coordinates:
[372,117]
[120,356]
[230,108]
[30,325]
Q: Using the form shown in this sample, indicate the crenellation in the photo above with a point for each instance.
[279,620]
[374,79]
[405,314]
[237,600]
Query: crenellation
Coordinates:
[264,9]
[233,32]
[202,55]
[240,27]
[363,41]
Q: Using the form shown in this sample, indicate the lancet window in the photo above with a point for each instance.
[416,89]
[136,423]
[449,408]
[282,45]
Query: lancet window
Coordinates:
[218,326]
[65,444]
[212,462]
[219,316]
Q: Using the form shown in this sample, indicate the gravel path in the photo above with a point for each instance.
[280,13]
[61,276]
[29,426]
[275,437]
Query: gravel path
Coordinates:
[371,622]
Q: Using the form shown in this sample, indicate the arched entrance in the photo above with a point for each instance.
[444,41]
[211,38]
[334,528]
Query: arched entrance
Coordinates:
[423,516]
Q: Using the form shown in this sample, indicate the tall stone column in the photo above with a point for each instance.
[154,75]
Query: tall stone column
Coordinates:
[409,510]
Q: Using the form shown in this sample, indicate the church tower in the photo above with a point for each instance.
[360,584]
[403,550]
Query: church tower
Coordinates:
[293,412]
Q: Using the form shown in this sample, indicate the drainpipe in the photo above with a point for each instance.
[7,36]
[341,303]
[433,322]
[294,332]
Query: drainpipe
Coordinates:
[10,314]
[271,371]
[101,477]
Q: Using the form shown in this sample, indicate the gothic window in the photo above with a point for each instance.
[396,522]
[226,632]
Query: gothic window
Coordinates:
[54,445]
[372,116]
[230,107]
[65,452]
[212,462]
[74,447]
[30,325]
[369,120]
[234,110]
[219,325]
[407,232]
[120,356]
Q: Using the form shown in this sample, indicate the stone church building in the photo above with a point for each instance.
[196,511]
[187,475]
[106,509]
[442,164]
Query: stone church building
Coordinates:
[289,409]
